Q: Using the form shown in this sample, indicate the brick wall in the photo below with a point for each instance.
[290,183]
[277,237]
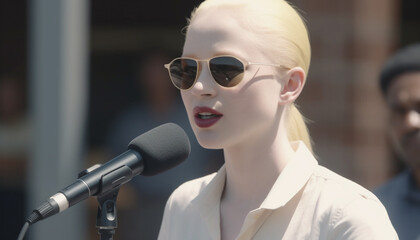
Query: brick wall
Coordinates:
[350,41]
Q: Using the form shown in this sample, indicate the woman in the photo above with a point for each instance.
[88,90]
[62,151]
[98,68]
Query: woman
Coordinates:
[243,65]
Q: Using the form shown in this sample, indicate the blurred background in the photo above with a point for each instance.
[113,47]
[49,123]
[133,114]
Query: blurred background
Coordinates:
[79,79]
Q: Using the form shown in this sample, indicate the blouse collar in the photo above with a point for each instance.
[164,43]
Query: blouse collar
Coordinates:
[290,181]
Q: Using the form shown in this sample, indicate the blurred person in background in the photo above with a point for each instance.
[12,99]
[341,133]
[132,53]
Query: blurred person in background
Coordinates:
[14,143]
[143,199]
[400,84]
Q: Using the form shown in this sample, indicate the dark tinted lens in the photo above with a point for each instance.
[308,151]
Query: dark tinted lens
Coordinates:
[227,71]
[183,72]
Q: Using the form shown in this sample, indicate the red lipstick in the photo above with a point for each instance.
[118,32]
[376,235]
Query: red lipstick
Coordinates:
[206,117]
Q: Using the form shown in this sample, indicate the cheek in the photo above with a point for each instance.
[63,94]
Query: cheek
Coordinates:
[264,94]
[395,134]
[396,126]
[186,99]
[257,103]
[395,139]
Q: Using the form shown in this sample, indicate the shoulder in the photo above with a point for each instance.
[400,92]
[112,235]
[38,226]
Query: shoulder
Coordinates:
[340,187]
[354,212]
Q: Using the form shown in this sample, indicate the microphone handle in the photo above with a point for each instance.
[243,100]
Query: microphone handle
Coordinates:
[113,173]
[101,180]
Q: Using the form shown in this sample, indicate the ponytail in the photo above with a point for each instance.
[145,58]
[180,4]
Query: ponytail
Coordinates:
[297,129]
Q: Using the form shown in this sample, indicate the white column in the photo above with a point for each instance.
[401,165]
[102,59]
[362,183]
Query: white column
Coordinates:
[58,59]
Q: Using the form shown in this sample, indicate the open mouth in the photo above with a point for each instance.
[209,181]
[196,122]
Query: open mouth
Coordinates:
[206,117]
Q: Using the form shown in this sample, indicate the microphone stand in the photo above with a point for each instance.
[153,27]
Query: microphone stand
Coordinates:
[106,219]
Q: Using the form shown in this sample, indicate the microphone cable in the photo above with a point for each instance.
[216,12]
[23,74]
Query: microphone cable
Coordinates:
[23,231]
[34,217]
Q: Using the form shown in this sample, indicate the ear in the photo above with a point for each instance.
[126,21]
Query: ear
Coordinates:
[293,85]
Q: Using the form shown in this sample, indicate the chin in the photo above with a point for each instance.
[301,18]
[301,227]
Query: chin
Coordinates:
[208,144]
[208,139]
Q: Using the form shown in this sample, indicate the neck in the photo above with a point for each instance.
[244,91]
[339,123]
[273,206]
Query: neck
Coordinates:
[253,169]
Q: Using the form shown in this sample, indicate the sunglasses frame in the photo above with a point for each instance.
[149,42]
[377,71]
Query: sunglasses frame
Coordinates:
[244,63]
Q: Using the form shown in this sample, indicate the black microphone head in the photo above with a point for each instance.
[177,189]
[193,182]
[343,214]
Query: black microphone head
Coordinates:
[161,148]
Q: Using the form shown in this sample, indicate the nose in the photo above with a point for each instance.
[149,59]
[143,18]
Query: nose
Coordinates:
[412,120]
[205,85]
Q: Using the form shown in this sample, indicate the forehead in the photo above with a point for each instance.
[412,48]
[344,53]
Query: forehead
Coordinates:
[219,31]
[405,89]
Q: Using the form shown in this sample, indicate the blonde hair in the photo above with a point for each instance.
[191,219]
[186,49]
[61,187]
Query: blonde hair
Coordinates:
[277,24]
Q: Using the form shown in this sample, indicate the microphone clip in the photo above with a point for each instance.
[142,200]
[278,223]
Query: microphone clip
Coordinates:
[106,218]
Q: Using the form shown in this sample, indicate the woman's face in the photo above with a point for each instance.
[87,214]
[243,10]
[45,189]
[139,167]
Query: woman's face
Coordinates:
[241,115]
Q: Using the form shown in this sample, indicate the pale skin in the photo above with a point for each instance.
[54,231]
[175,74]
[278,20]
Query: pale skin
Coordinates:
[252,131]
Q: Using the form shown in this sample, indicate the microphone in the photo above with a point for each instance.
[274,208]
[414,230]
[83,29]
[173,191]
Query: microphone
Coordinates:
[149,154]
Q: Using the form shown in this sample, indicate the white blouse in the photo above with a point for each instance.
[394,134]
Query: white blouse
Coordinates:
[307,201]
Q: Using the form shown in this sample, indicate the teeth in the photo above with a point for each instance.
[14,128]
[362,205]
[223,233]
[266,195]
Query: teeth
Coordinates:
[205,115]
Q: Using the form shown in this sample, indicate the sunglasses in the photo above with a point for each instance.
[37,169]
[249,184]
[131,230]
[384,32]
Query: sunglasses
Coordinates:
[227,71]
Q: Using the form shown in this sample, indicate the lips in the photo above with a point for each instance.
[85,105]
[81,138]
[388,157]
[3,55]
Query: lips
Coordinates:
[206,117]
